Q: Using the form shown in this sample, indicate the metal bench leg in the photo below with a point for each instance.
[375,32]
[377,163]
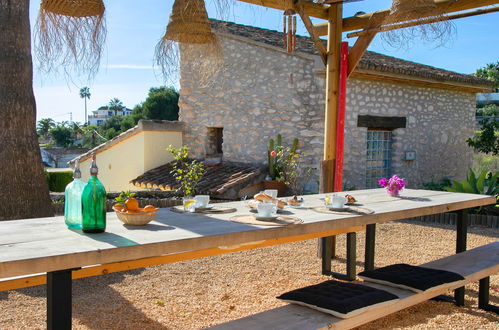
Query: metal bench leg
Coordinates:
[59,300]
[483,296]
[370,244]
[461,235]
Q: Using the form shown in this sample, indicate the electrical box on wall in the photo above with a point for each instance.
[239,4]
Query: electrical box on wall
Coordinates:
[410,155]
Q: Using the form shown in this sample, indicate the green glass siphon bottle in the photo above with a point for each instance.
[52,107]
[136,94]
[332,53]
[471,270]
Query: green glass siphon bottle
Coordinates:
[93,201]
[72,200]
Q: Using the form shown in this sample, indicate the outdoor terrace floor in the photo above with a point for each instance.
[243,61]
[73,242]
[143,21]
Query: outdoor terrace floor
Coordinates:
[209,291]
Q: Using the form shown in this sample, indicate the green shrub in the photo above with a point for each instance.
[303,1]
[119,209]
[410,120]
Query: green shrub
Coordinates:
[58,181]
[483,162]
[485,183]
[440,185]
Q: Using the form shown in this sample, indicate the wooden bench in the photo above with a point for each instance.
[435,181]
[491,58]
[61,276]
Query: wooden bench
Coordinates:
[474,265]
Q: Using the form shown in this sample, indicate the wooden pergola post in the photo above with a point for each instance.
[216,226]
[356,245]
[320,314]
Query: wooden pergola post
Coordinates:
[327,245]
[332,93]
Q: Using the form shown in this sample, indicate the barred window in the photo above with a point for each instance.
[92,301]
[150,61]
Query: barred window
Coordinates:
[379,155]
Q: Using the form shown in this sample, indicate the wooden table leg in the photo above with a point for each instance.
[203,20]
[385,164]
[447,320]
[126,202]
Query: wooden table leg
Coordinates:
[59,287]
[370,244]
[351,274]
[326,255]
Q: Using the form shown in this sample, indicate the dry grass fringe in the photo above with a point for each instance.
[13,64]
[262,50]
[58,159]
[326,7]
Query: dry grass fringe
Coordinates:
[189,37]
[439,33]
[71,43]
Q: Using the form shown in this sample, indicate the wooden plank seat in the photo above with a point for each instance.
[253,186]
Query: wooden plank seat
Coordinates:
[473,265]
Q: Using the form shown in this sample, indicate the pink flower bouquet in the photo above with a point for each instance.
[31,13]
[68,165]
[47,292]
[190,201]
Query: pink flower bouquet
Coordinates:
[393,185]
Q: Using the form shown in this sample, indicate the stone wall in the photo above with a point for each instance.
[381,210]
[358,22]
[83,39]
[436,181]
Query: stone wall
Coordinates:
[265,91]
[438,123]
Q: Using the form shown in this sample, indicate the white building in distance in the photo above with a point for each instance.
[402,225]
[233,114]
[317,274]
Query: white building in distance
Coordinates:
[104,113]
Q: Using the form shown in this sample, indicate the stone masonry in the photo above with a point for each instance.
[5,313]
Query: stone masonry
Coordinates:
[264,91]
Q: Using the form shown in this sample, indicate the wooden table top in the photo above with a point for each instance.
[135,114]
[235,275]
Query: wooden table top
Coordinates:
[45,244]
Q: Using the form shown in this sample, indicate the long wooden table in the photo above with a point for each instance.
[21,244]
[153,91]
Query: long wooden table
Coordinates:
[31,248]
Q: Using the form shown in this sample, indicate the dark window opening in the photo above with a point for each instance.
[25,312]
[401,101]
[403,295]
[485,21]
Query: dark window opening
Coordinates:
[215,141]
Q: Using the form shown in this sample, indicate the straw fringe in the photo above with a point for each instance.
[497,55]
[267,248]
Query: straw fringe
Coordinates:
[69,35]
[440,32]
[189,39]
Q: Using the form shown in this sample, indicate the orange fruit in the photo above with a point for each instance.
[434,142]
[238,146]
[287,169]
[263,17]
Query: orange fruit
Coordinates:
[132,204]
[119,207]
[148,208]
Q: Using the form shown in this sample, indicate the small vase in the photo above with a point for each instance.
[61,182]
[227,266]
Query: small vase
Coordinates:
[394,193]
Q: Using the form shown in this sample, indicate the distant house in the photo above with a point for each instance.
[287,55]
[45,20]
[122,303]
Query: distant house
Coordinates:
[132,153]
[104,113]
[59,157]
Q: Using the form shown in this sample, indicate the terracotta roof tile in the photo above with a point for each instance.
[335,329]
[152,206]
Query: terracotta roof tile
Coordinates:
[370,60]
[216,181]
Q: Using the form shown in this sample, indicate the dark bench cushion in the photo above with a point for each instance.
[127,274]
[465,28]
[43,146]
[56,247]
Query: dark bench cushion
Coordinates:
[409,277]
[338,298]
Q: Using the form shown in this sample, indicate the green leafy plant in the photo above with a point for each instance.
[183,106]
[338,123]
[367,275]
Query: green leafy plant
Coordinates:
[280,158]
[438,185]
[486,140]
[186,172]
[123,196]
[485,183]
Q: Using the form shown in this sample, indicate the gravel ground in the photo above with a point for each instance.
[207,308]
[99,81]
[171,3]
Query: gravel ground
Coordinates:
[205,292]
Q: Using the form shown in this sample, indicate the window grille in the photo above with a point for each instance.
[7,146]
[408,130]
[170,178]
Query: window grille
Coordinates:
[378,155]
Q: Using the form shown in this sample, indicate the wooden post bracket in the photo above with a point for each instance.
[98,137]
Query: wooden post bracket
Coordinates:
[300,9]
[360,46]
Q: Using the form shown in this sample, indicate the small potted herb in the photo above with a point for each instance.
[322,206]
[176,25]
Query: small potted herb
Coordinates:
[186,172]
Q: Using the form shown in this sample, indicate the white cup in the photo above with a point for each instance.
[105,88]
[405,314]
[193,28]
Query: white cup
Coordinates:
[202,200]
[267,209]
[338,201]
[271,192]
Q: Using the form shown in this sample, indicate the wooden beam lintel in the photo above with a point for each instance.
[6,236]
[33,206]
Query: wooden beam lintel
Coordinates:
[311,9]
[445,6]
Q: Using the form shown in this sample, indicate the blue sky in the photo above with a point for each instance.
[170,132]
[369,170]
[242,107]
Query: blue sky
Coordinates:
[134,27]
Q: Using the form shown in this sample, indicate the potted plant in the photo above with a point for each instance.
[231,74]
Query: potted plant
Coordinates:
[393,185]
[186,172]
[283,165]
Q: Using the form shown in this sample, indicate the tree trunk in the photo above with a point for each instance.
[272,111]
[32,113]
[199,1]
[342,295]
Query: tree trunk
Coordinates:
[23,188]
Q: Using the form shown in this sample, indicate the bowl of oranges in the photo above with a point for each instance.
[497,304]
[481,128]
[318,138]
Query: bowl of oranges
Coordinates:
[128,211]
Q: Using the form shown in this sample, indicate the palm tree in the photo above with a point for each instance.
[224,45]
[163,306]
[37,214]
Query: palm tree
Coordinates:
[115,105]
[43,126]
[85,94]
[24,192]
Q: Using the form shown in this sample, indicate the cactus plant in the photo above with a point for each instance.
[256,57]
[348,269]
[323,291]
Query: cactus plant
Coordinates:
[295,145]
[271,159]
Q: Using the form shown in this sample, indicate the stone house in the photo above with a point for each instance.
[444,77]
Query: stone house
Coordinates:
[402,117]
